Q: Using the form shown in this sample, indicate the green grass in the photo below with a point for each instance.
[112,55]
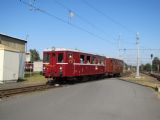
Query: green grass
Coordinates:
[33,78]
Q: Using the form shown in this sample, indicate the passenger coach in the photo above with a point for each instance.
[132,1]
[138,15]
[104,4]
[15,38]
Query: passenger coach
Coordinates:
[60,63]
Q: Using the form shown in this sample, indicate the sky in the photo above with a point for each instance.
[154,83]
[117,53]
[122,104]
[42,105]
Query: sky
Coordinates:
[95,25]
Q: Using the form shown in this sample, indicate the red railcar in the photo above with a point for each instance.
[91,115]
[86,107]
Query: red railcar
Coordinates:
[114,67]
[65,63]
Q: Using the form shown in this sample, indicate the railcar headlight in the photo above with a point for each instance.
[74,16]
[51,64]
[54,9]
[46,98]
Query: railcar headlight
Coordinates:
[60,68]
[96,68]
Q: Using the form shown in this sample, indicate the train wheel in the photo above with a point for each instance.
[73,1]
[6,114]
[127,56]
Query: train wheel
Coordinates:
[51,81]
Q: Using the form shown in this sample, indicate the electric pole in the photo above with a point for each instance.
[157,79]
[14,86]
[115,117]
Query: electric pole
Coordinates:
[138,56]
[119,46]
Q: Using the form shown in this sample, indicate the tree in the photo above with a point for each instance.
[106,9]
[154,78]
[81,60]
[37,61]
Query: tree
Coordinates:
[142,67]
[34,55]
[156,64]
[147,67]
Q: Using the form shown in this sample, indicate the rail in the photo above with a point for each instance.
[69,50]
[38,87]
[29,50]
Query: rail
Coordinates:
[13,91]
[155,75]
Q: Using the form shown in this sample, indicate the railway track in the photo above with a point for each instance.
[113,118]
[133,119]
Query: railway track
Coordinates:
[14,91]
[19,90]
[155,75]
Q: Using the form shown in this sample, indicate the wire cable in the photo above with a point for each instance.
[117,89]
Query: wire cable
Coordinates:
[107,16]
[79,16]
[64,21]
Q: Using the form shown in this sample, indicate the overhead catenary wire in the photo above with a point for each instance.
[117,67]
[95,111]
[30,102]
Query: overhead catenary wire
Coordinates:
[79,16]
[64,21]
[129,55]
[84,20]
[107,16]
[145,49]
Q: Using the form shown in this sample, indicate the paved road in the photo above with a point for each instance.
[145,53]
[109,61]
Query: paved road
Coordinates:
[108,99]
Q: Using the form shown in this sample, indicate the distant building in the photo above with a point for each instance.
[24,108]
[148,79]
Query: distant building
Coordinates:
[12,54]
[37,66]
[28,57]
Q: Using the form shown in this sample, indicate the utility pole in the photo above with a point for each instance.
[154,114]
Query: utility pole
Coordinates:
[138,56]
[70,16]
[119,46]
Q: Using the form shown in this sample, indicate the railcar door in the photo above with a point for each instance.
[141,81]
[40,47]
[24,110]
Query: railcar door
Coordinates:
[52,63]
[53,58]
[71,66]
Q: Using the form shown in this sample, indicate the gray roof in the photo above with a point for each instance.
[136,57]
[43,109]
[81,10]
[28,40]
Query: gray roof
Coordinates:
[13,38]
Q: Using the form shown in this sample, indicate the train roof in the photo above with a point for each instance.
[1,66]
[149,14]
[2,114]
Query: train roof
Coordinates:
[116,59]
[73,50]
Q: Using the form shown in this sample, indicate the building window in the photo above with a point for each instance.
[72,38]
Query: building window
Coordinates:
[60,57]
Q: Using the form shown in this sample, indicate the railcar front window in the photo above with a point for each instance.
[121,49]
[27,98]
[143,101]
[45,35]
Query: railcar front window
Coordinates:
[46,57]
[60,57]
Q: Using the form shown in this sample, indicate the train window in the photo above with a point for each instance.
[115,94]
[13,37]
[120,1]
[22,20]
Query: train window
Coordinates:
[102,62]
[46,57]
[81,58]
[93,60]
[88,59]
[99,61]
[60,57]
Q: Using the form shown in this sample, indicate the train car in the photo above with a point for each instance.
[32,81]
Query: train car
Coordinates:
[60,64]
[114,67]
[28,66]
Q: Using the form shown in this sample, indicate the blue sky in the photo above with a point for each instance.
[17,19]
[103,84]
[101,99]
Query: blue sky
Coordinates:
[124,17]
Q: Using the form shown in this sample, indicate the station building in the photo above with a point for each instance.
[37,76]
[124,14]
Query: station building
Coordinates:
[12,58]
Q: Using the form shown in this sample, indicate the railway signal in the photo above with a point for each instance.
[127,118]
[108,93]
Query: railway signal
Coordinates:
[151,63]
